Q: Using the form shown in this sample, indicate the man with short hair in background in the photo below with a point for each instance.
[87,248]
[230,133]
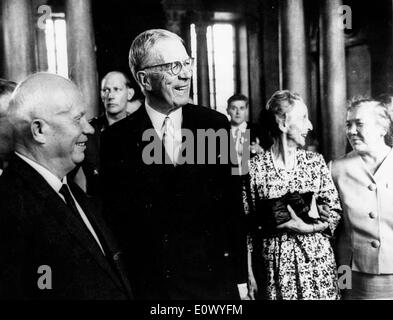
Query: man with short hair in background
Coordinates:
[238,110]
[116,96]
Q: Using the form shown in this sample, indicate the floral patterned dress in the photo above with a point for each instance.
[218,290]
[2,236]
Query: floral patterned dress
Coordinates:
[295,266]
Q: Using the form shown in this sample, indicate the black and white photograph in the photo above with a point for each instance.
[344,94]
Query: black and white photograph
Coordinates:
[199,156]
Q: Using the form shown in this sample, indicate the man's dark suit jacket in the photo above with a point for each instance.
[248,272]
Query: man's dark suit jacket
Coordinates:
[91,163]
[182,226]
[37,228]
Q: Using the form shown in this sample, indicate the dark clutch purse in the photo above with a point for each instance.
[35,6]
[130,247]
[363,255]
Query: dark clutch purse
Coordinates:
[273,212]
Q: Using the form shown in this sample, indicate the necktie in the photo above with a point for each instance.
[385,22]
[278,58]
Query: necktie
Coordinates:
[65,191]
[168,138]
[239,148]
[239,142]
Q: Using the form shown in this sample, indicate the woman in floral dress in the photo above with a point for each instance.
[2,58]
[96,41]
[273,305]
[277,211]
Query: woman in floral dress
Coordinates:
[297,261]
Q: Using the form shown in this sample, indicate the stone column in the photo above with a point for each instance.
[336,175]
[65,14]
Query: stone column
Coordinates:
[18,39]
[294,48]
[81,52]
[269,53]
[333,99]
[202,65]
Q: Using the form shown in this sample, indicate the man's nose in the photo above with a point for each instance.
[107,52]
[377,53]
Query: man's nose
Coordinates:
[185,73]
[310,126]
[86,127]
[110,94]
[351,129]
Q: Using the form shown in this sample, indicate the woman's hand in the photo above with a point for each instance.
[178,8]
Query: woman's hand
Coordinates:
[324,213]
[299,226]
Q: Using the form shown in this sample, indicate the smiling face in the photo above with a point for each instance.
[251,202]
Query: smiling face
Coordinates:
[362,128]
[298,124]
[238,110]
[115,94]
[165,91]
[67,132]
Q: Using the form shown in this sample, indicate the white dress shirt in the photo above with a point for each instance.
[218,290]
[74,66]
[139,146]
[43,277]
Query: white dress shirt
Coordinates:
[173,132]
[242,129]
[56,185]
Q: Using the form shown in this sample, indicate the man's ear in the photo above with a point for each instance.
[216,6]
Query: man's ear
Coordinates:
[144,80]
[130,94]
[38,129]
[102,95]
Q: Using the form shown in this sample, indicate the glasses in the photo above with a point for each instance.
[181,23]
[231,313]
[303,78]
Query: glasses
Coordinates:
[174,67]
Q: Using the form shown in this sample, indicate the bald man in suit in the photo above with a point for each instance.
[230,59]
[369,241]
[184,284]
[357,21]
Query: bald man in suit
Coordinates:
[53,246]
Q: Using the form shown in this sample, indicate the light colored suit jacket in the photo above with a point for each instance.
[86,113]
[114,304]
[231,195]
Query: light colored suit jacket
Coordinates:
[366,243]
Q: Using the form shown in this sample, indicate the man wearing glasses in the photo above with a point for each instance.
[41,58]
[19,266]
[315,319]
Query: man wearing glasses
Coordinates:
[179,223]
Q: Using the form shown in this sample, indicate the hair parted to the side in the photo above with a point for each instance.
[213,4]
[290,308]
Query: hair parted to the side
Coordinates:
[280,103]
[237,97]
[142,47]
[127,81]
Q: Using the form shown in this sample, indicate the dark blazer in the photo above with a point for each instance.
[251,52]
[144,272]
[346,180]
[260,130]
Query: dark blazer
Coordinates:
[255,132]
[37,228]
[183,225]
[91,163]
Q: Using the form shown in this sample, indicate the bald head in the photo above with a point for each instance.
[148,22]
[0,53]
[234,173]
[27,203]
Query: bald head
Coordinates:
[48,115]
[42,94]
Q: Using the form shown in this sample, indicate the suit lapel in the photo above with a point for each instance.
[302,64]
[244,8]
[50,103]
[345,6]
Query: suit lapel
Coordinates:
[56,207]
[105,239]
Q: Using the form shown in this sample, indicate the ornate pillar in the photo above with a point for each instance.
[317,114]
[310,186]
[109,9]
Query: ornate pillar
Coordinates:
[294,48]
[256,70]
[81,51]
[18,39]
[333,80]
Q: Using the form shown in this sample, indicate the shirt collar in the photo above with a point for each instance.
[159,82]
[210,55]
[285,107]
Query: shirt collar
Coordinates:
[157,118]
[49,177]
[241,127]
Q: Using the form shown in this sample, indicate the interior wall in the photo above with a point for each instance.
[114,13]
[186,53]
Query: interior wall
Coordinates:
[358,70]
[116,25]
